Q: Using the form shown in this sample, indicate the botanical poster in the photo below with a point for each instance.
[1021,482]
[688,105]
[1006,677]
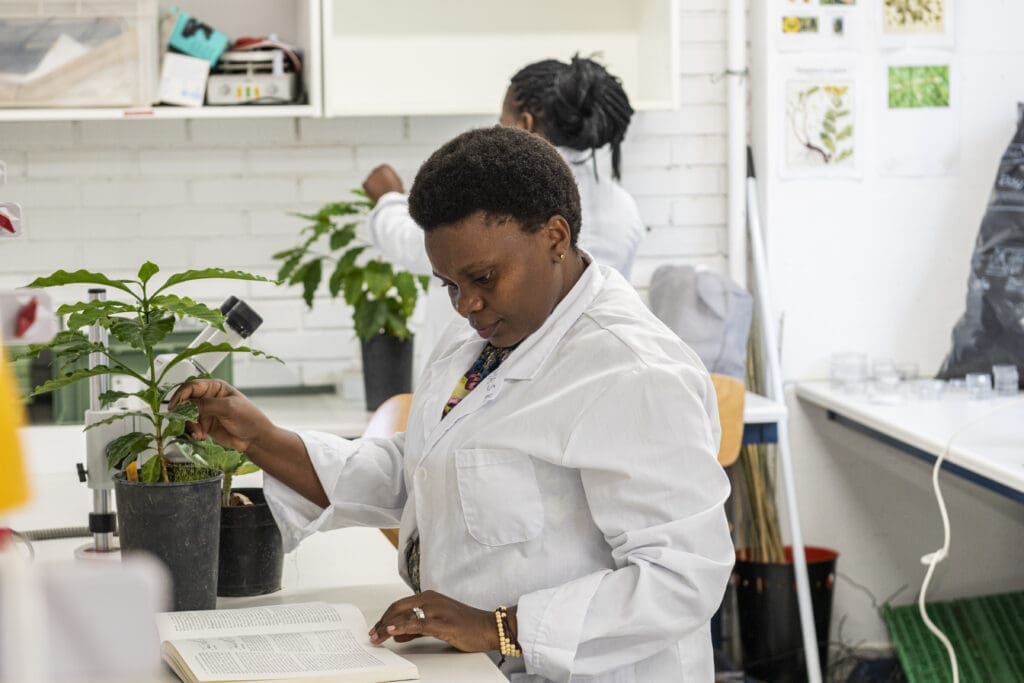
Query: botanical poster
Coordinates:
[819,124]
[914,16]
[809,25]
[918,86]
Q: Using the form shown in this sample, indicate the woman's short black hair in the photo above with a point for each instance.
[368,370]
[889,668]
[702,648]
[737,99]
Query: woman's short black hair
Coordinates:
[504,172]
[577,105]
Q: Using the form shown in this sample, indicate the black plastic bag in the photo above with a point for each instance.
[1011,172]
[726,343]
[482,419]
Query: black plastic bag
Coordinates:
[991,330]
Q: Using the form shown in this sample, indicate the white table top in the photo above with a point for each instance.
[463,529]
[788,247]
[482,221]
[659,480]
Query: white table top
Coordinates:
[758,409]
[437,661]
[319,571]
[988,435]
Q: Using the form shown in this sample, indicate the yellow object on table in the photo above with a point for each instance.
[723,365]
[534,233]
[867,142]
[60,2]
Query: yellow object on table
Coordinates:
[13,482]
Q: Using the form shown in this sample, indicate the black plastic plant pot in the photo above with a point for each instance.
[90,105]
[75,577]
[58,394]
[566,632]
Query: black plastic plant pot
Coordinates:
[769,614]
[387,368]
[251,552]
[179,524]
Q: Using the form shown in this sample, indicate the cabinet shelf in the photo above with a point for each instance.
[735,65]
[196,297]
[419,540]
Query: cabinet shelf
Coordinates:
[160,112]
[296,22]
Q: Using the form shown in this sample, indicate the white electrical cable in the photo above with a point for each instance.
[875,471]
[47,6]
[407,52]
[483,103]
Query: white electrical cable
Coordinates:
[933,559]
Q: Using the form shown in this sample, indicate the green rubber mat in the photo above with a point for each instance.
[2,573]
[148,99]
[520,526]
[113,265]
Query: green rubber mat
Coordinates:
[986,632]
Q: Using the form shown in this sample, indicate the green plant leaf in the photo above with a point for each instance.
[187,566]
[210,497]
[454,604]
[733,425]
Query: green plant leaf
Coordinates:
[353,286]
[348,259]
[844,133]
[109,396]
[148,270]
[379,277]
[184,307]
[341,238]
[178,417]
[342,269]
[126,448]
[311,280]
[150,472]
[84,313]
[118,417]
[288,267]
[395,324]
[63,343]
[370,317]
[286,254]
[845,154]
[424,282]
[80,277]
[211,454]
[141,335]
[208,274]
[77,375]
[405,283]
[247,468]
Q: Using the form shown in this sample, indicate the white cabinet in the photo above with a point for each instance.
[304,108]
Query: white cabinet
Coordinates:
[405,57]
[393,57]
[296,22]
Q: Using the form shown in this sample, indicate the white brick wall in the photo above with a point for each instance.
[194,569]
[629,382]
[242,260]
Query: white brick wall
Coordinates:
[110,194]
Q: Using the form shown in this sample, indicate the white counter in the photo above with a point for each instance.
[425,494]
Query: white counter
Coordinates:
[988,435]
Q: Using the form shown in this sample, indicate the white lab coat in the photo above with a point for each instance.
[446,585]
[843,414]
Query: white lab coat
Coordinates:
[611,232]
[579,481]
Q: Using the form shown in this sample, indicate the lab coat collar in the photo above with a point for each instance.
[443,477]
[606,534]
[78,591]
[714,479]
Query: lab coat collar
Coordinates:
[522,364]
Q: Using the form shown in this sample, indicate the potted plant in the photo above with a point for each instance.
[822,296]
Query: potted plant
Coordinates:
[382,298]
[251,556]
[166,508]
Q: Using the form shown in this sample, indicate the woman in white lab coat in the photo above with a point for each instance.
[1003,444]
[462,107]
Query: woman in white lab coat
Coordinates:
[560,455]
[581,109]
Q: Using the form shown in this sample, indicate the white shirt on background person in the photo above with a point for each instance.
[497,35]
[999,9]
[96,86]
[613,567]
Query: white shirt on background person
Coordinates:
[579,481]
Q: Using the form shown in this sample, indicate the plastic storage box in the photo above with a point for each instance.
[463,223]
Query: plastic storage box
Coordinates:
[78,53]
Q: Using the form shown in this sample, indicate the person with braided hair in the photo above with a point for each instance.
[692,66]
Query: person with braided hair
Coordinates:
[581,109]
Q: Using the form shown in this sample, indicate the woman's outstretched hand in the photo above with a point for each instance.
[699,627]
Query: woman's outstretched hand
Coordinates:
[224,414]
[463,627]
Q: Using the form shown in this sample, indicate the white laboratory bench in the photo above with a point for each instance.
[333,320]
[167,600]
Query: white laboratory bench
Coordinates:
[354,566]
[988,434]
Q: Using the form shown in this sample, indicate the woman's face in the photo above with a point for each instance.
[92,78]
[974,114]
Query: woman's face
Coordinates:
[503,280]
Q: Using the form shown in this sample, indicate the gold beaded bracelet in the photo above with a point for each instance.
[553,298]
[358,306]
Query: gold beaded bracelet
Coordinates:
[506,645]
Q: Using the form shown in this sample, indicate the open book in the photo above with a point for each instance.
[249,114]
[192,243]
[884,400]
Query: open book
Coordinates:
[312,641]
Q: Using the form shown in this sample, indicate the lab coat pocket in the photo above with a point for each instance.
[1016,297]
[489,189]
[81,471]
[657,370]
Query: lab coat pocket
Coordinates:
[499,494]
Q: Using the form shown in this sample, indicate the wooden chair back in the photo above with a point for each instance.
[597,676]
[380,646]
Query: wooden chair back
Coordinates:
[389,419]
[731,393]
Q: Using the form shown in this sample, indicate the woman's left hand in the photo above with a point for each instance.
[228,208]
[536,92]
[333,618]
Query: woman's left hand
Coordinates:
[461,626]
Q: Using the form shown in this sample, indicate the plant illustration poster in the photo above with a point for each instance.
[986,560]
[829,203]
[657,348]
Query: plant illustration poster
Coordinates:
[918,86]
[817,25]
[918,129]
[820,127]
[914,16]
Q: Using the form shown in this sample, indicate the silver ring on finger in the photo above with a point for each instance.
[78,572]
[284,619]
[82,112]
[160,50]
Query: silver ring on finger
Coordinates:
[419,613]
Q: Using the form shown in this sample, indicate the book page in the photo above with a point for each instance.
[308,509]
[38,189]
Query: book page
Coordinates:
[306,616]
[338,653]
